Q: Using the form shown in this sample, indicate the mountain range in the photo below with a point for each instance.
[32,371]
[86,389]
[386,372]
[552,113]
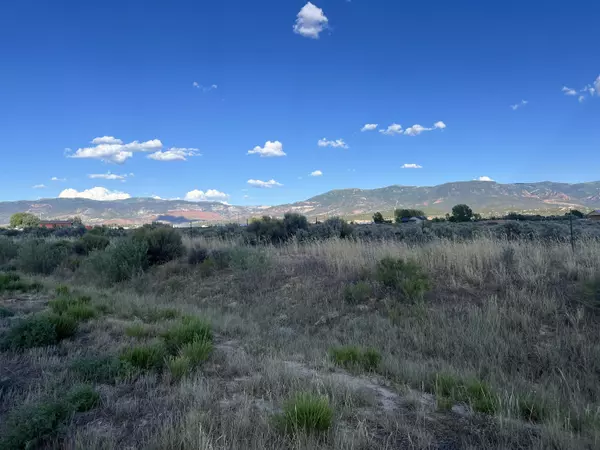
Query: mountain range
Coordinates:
[485,197]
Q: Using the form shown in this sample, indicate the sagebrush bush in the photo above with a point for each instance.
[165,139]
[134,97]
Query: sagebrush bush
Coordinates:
[122,260]
[164,243]
[358,292]
[190,329]
[101,369]
[352,357]
[404,276]
[90,242]
[145,357]
[34,331]
[306,412]
[83,397]
[8,249]
[28,426]
[41,257]
[197,255]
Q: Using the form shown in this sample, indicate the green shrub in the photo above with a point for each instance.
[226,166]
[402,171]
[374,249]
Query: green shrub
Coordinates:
[42,257]
[5,312]
[11,282]
[164,243]
[121,261]
[138,330]
[306,412]
[197,351]
[83,398]
[179,366]
[34,331]
[220,257]
[471,391]
[64,325]
[8,249]
[81,312]
[29,425]
[197,255]
[358,292]
[76,307]
[191,329]
[90,242]
[403,276]
[146,357]
[353,357]
[62,290]
[105,369]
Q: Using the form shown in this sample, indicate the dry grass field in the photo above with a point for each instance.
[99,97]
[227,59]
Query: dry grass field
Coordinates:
[332,344]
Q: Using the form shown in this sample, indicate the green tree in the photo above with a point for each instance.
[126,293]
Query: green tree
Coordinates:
[19,220]
[407,214]
[461,213]
[378,217]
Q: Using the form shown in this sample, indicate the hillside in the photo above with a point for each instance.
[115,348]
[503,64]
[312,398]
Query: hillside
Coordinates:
[484,197]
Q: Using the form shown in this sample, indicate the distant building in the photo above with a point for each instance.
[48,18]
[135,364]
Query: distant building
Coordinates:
[53,224]
[594,215]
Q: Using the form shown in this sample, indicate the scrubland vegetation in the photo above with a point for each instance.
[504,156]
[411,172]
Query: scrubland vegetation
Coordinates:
[286,334]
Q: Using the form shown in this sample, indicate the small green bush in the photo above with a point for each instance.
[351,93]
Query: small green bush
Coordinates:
[403,276]
[83,398]
[164,243]
[121,261]
[146,357]
[29,425]
[306,412]
[179,366]
[81,312]
[197,351]
[190,329]
[34,331]
[11,282]
[90,242]
[76,307]
[353,357]
[105,369]
[62,290]
[64,325]
[42,257]
[357,293]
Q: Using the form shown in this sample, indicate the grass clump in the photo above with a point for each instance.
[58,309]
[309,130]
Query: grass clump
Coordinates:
[28,426]
[62,290]
[83,398]
[138,330]
[532,409]
[450,390]
[106,369]
[357,293]
[179,366]
[405,277]
[145,357]
[191,329]
[197,351]
[306,412]
[34,331]
[158,315]
[76,307]
[11,282]
[64,325]
[352,357]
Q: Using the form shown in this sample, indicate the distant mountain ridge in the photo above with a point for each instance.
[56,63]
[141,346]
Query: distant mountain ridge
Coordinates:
[483,196]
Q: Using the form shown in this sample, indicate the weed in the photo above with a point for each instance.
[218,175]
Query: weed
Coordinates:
[306,412]
[357,293]
[29,425]
[353,357]
[83,398]
[403,276]
[190,329]
[147,357]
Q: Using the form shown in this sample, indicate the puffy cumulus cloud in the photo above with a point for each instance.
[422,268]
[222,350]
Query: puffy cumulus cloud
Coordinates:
[310,21]
[439,125]
[411,166]
[108,176]
[201,196]
[174,154]
[316,173]
[483,178]
[568,91]
[264,184]
[115,152]
[417,129]
[270,150]
[369,127]
[39,186]
[519,105]
[338,143]
[106,140]
[95,193]
[393,129]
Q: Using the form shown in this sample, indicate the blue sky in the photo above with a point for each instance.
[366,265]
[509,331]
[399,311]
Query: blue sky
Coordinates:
[193,86]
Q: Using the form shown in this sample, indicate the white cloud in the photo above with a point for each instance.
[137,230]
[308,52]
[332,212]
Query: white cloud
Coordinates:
[483,178]
[590,90]
[417,129]
[116,152]
[316,173]
[597,84]
[310,21]
[57,179]
[108,176]
[264,184]
[39,186]
[393,129]
[95,193]
[106,140]
[568,91]
[201,196]
[369,127]
[411,166]
[439,125]
[338,143]
[174,154]
[156,197]
[519,105]
[581,98]
[270,150]
[196,84]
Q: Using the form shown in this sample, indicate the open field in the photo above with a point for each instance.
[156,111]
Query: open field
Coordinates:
[480,342]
